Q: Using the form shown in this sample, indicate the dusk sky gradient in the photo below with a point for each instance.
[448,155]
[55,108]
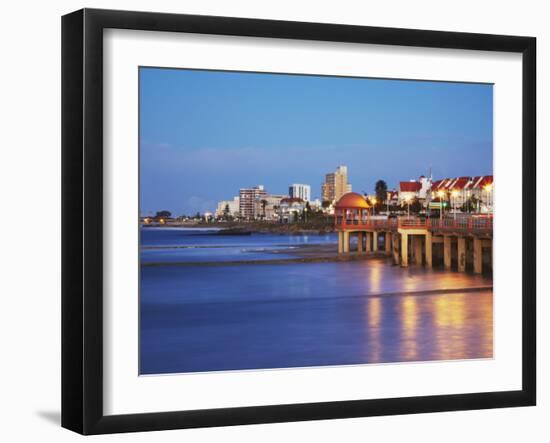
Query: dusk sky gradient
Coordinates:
[205,134]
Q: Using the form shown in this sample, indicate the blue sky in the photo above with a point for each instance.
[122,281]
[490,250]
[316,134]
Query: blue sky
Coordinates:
[205,134]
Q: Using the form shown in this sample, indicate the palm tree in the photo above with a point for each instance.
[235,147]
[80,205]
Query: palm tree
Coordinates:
[381,191]
[264,204]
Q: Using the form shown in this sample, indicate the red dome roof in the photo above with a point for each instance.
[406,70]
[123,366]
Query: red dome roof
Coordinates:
[352,200]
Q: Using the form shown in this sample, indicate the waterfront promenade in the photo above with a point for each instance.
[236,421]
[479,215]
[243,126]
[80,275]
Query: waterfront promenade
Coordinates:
[460,243]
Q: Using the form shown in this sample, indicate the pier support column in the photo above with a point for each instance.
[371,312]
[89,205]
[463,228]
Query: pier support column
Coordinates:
[488,244]
[447,251]
[368,246]
[395,248]
[429,251]
[340,242]
[346,241]
[417,246]
[387,241]
[461,243]
[375,241]
[404,250]
[478,256]
[360,236]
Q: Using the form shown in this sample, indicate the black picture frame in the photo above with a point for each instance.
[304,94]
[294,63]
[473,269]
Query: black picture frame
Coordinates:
[82,218]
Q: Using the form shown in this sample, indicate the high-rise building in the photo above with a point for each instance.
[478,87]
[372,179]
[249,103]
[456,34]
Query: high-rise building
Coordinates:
[335,185]
[327,188]
[247,201]
[297,190]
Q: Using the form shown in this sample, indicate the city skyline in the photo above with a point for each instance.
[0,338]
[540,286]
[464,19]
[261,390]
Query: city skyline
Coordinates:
[204,135]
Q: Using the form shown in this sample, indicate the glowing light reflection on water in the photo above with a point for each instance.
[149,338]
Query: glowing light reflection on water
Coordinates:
[202,318]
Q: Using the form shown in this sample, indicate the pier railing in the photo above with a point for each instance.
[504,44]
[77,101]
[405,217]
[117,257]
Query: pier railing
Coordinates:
[357,223]
[462,224]
[472,224]
[412,223]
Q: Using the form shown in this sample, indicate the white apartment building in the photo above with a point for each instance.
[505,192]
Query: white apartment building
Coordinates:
[297,190]
[228,208]
[247,201]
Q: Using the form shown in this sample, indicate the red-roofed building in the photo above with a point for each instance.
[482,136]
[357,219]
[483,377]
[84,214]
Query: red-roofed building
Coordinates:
[484,182]
[410,190]
[459,190]
[392,197]
[459,184]
[455,191]
[409,186]
[483,189]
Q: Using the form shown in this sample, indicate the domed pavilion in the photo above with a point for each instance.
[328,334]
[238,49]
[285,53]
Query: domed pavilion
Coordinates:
[352,216]
[351,209]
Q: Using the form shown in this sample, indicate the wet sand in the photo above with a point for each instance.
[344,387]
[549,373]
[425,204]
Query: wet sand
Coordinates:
[300,254]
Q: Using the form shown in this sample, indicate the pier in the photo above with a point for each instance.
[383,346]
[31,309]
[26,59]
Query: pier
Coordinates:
[462,243]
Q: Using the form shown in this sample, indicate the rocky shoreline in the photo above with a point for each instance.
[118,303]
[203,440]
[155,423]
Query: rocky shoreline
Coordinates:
[232,228]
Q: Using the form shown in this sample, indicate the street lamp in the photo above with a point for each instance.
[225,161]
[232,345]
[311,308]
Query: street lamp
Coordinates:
[454,194]
[440,194]
[488,188]
[408,200]
[373,202]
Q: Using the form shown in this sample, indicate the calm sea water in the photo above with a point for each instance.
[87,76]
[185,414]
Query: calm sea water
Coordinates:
[205,245]
[254,316]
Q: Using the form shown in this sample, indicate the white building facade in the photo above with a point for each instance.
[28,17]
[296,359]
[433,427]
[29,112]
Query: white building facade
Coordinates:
[227,208]
[267,207]
[459,190]
[297,190]
[414,189]
[247,201]
[290,209]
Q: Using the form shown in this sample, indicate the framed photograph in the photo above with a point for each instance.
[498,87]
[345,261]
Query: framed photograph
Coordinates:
[268,221]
